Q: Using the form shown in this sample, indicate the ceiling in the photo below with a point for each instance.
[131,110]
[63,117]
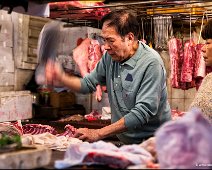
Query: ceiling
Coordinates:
[83,13]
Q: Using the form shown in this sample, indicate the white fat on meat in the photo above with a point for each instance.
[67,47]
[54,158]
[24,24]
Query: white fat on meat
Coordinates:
[49,140]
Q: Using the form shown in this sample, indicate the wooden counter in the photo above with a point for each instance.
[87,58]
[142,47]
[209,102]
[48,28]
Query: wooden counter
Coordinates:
[26,157]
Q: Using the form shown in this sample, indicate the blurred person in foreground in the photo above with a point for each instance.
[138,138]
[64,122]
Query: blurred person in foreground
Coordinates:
[135,77]
[203,98]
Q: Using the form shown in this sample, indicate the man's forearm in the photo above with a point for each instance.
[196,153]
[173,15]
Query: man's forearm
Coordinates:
[113,129]
[71,81]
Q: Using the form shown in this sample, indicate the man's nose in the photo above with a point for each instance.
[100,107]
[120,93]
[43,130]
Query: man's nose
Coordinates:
[106,46]
[204,47]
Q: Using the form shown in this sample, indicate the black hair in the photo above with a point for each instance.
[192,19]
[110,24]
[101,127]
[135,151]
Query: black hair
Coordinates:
[207,30]
[123,21]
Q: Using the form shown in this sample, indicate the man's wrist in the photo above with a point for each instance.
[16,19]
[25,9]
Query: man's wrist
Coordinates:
[63,78]
[100,133]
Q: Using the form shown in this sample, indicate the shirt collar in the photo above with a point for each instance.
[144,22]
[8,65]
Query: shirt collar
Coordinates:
[133,60]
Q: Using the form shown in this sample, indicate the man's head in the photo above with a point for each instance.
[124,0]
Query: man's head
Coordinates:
[207,48]
[120,34]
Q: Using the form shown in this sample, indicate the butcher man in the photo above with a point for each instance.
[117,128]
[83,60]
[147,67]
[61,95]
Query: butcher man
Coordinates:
[135,77]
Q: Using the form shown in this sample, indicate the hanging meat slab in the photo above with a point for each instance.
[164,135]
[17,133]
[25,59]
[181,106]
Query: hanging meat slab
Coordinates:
[86,55]
[77,10]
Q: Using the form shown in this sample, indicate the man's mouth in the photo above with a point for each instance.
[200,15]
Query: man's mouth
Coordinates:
[205,59]
[112,54]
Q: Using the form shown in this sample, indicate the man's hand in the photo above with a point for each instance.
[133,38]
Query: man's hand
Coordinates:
[54,73]
[56,76]
[92,135]
[89,135]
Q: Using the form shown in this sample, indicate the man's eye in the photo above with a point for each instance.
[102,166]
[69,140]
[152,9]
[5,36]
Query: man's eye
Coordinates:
[101,40]
[111,41]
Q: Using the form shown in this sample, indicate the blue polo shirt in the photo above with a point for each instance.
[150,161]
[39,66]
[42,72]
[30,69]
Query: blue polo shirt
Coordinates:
[136,90]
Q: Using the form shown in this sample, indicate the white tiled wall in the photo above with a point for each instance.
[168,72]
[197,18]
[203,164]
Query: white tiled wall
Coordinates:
[180,99]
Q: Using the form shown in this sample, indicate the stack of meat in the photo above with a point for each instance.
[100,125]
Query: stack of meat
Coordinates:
[76,10]
[187,64]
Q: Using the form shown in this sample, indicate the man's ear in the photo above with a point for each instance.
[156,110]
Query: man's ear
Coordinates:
[130,36]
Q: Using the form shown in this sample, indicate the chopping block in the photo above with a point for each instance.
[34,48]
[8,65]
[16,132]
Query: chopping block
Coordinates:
[27,157]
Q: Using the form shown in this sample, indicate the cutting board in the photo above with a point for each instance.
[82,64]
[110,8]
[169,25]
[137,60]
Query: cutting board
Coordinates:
[27,157]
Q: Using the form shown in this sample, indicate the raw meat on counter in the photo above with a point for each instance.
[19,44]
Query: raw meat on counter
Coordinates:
[49,140]
[104,153]
[76,117]
[11,129]
[34,129]
[185,143]
[48,136]
[33,134]
[94,115]
[69,131]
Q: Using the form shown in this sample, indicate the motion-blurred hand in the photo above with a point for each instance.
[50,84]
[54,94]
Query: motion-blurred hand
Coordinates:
[54,73]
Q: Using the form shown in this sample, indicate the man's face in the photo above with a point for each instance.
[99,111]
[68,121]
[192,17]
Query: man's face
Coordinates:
[207,52]
[118,47]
